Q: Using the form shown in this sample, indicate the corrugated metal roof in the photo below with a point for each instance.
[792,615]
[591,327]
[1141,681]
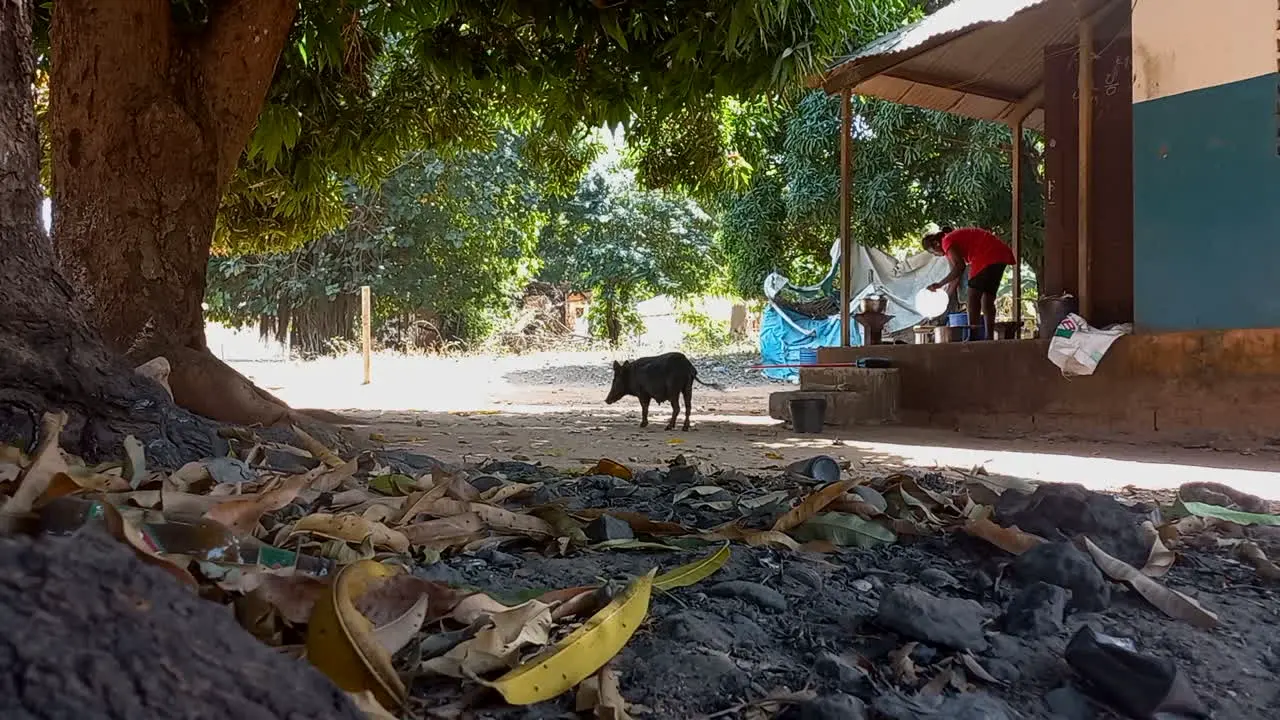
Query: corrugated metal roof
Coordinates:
[978,58]
[950,20]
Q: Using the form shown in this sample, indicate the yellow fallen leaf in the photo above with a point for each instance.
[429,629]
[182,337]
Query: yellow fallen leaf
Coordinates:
[693,572]
[241,514]
[773,455]
[583,652]
[352,528]
[675,441]
[45,464]
[812,505]
[1170,601]
[340,640]
[600,695]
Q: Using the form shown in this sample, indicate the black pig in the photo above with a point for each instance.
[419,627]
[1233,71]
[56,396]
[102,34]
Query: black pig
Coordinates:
[663,378]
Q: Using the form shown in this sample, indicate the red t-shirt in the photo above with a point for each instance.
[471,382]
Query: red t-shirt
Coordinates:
[979,248]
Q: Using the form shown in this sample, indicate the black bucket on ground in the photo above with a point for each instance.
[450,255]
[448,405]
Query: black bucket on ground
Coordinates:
[1052,311]
[808,414]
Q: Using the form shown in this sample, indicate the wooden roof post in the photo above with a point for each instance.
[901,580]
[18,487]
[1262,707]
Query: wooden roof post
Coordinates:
[846,235]
[1016,218]
[1085,149]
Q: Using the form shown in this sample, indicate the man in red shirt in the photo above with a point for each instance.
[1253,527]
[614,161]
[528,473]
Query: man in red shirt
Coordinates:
[986,256]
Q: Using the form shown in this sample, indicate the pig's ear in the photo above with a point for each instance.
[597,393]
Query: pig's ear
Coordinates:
[617,366]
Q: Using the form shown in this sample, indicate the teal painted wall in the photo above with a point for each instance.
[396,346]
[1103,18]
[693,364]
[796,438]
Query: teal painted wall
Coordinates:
[1206,206]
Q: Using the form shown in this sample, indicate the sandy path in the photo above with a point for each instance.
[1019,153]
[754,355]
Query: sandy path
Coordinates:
[549,408]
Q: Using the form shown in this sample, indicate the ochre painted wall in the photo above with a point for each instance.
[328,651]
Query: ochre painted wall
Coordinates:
[1185,45]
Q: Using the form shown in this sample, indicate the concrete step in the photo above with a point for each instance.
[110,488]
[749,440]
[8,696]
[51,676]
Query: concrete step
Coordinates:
[844,409]
[852,379]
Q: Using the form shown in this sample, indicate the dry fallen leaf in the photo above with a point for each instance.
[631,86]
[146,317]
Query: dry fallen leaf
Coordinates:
[352,528]
[317,448]
[368,704]
[241,514]
[1009,539]
[1160,558]
[601,696]
[334,478]
[444,532]
[340,640]
[904,669]
[813,504]
[498,645]
[293,595]
[45,464]
[502,493]
[1265,567]
[472,607]
[1173,603]
[639,522]
[125,531]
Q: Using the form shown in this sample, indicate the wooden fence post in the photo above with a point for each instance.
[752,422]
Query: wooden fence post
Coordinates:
[366,331]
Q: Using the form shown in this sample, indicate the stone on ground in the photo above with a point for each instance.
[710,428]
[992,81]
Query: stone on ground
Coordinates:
[1064,565]
[948,622]
[1036,610]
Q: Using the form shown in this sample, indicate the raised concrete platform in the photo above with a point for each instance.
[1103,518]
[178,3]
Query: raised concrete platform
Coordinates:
[1190,387]
[855,396]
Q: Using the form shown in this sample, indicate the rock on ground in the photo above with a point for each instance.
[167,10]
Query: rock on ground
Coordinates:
[1064,512]
[1064,565]
[92,633]
[949,622]
[1036,610]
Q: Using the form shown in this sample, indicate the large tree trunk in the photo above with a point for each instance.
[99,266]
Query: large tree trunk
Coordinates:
[149,120]
[50,359]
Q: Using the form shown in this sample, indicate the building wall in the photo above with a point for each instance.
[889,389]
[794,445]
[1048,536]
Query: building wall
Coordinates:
[1111,173]
[1206,163]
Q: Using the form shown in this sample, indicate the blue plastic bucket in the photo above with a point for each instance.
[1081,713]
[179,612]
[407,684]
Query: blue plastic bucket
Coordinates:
[807,356]
[959,319]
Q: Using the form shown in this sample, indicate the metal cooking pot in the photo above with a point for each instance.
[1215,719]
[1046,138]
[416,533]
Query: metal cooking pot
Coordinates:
[949,333]
[874,303]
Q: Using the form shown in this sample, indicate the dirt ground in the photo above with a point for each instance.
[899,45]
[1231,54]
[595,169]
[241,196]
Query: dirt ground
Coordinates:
[550,408]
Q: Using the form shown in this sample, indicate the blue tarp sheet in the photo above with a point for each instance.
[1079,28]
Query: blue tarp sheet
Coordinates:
[781,343]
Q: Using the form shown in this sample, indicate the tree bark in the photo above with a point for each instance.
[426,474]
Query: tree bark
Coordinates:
[50,358]
[149,119]
[148,123]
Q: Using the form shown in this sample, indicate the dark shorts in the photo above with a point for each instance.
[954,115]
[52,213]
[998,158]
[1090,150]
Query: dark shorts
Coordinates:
[988,281]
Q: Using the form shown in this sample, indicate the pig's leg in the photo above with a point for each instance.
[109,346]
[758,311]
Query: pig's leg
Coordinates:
[688,403]
[675,412]
[644,412]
